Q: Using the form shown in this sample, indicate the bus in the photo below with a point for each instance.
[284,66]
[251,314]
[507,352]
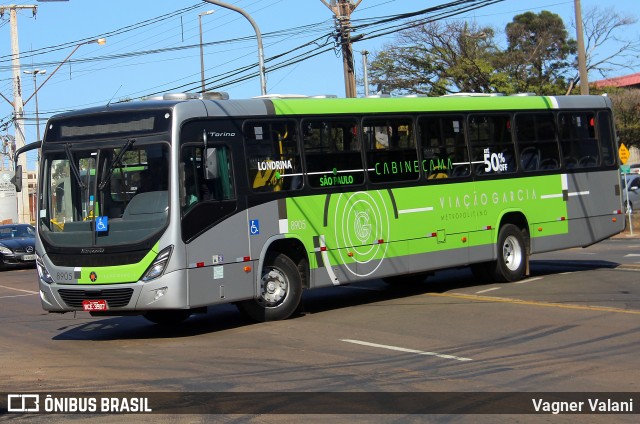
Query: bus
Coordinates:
[165,207]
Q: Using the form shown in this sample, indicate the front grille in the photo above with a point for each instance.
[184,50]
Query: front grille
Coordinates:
[116,298]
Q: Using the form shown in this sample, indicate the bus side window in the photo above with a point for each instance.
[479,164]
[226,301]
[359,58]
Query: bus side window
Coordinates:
[443,147]
[537,139]
[391,150]
[492,148]
[195,187]
[332,152]
[273,155]
[578,140]
[605,138]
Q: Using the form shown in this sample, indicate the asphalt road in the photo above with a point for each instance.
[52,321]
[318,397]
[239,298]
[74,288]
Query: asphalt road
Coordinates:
[572,326]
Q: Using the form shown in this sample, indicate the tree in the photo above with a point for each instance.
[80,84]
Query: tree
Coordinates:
[626,108]
[538,53]
[435,59]
[443,57]
[609,45]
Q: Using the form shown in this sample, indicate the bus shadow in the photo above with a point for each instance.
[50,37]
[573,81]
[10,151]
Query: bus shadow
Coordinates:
[558,266]
[221,318]
[218,318]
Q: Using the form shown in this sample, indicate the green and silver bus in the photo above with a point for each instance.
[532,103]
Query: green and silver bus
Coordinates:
[164,207]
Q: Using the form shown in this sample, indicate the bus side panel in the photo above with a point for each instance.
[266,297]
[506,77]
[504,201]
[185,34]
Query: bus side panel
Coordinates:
[216,261]
[589,218]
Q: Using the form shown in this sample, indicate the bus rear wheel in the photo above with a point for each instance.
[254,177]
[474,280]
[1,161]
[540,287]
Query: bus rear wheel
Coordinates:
[280,290]
[512,255]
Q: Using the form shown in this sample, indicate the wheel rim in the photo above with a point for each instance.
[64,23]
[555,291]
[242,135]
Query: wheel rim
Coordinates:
[512,253]
[274,287]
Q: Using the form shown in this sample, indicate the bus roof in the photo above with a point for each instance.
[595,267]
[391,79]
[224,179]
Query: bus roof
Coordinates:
[333,106]
[434,104]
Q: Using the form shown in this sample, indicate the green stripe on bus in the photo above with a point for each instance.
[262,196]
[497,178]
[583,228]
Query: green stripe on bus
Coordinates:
[409,105]
[129,273]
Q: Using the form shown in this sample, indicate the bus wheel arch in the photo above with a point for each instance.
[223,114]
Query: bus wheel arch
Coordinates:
[513,246]
[284,273]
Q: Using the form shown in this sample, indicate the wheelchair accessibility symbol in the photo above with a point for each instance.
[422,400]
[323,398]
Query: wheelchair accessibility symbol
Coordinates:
[102,224]
[254,227]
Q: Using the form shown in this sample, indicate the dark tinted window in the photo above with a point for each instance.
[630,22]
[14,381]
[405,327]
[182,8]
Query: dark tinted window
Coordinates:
[332,152]
[578,140]
[605,135]
[391,150]
[537,141]
[492,149]
[273,157]
[443,147]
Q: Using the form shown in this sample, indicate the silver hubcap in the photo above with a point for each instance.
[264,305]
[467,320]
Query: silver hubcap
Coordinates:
[512,253]
[274,287]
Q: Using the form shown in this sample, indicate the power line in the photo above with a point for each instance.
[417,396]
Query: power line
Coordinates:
[319,45]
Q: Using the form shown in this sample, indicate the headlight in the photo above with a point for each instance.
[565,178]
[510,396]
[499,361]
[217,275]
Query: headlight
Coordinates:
[42,271]
[5,250]
[157,267]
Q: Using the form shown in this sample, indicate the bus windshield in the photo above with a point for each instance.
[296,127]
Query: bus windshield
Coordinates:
[112,195]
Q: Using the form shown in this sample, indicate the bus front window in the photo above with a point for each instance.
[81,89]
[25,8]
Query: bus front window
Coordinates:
[64,186]
[124,189]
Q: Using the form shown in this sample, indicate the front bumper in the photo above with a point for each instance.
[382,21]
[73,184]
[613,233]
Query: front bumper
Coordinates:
[166,292]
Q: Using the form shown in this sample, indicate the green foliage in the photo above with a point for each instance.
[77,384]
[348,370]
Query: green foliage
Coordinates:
[440,58]
[626,109]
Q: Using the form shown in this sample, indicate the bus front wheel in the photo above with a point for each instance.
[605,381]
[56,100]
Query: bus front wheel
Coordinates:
[512,255]
[280,290]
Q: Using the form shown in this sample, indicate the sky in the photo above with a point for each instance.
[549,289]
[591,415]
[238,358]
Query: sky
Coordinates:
[153,47]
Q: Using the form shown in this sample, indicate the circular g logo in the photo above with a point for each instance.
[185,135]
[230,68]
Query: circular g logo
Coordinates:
[362,227]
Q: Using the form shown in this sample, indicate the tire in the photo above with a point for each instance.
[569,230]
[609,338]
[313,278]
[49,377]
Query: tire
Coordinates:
[280,290]
[170,317]
[512,255]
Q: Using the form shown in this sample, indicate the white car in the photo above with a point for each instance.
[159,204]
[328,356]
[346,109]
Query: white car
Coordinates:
[633,192]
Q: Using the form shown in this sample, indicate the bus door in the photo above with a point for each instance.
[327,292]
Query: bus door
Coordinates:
[215,234]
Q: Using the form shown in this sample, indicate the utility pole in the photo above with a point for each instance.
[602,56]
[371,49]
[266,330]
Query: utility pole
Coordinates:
[24,215]
[582,59]
[342,9]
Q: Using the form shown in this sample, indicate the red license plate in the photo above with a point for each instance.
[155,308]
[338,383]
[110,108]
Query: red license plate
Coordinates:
[94,305]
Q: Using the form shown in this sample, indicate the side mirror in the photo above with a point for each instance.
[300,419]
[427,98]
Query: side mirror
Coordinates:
[16,180]
[211,164]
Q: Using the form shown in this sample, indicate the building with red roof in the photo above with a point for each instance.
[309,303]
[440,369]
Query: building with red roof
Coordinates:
[626,81]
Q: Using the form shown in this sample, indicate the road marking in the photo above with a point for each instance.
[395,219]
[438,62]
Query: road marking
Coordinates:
[402,349]
[488,290]
[15,295]
[528,280]
[12,288]
[632,255]
[534,303]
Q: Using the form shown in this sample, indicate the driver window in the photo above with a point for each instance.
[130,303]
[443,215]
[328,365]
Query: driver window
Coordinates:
[195,186]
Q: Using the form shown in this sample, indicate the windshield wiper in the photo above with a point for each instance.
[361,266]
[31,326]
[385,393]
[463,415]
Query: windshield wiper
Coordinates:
[74,168]
[116,161]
